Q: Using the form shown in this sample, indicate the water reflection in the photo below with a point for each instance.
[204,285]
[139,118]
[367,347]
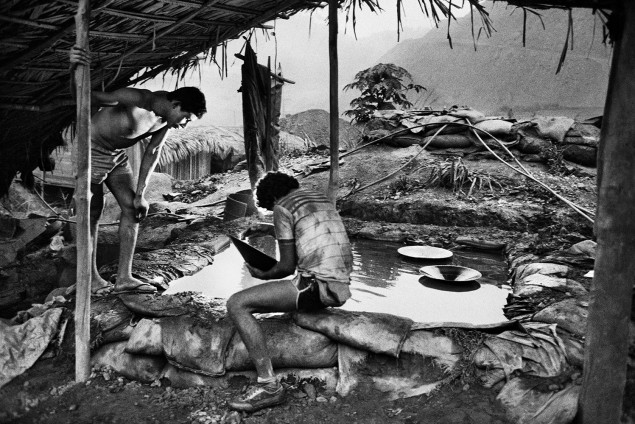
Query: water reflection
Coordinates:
[382,281]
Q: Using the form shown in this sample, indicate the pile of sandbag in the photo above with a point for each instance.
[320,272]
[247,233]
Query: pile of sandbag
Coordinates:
[536,139]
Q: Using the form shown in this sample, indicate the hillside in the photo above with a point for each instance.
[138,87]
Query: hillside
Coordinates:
[502,75]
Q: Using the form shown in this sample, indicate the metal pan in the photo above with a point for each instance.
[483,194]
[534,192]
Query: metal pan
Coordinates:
[253,256]
[424,252]
[450,273]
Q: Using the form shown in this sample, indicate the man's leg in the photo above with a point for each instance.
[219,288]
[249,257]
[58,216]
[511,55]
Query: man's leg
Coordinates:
[121,186]
[275,296]
[98,284]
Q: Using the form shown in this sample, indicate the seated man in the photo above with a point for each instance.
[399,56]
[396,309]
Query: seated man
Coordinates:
[312,239]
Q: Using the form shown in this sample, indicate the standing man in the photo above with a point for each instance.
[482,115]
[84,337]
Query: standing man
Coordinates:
[312,239]
[126,117]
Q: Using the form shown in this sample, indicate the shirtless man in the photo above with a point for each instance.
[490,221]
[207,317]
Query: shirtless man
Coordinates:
[127,116]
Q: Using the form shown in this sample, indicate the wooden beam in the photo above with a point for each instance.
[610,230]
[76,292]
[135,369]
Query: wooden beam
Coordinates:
[142,37]
[334,112]
[82,202]
[606,350]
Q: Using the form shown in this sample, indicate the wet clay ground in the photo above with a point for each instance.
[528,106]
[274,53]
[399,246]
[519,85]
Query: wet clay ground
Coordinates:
[46,393]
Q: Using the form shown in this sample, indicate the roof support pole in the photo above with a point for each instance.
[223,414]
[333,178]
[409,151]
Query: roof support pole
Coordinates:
[606,352]
[82,201]
[334,175]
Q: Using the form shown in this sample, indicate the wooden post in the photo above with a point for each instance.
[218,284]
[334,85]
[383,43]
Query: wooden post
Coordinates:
[606,351]
[334,176]
[82,201]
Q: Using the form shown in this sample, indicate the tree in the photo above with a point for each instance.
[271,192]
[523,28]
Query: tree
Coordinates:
[382,87]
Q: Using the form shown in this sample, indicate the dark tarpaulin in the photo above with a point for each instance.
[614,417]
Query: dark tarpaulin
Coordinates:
[261,112]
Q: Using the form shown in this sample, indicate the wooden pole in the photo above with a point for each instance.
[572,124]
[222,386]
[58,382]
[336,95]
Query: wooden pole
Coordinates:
[606,352]
[334,175]
[82,201]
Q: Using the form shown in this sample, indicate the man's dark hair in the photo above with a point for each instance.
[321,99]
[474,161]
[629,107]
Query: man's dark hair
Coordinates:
[192,100]
[272,186]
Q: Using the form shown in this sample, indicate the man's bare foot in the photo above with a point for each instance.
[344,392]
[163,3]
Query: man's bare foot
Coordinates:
[99,286]
[133,285]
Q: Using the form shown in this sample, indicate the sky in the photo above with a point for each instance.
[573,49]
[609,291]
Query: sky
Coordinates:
[300,45]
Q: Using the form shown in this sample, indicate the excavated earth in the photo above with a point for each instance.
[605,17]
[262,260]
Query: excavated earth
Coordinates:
[515,211]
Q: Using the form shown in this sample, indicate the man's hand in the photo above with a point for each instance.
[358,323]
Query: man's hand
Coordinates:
[141,206]
[79,56]
[259,229]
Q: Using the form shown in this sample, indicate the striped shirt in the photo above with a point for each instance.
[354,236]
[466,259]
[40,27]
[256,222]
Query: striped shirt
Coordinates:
[321,243]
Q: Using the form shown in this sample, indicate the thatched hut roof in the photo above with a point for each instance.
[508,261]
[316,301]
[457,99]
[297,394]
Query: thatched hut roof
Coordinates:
[132,41]
[209,139]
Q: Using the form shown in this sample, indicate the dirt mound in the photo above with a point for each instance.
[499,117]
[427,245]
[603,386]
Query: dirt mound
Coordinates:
[313,124]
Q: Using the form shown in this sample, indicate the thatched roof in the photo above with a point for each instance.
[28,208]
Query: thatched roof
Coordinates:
[131,41]
[210,139]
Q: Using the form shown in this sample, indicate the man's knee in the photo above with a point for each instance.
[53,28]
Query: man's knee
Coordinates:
[234,304]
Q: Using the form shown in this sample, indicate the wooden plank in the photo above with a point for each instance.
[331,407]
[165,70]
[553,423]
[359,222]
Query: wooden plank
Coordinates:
[82,201]
[606,352]
[334,175]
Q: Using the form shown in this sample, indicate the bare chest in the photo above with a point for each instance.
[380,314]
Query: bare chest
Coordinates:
[121,127]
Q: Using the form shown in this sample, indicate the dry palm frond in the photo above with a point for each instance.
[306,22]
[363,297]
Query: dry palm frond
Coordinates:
[453,174]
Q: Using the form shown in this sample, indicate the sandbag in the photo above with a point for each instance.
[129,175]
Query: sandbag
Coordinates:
[442,349]
[558,270]
[119,333]
[145,338]
[473,115]
[183,379]
[22,345]
[538,351]
[349,360]
[375,332]
[585,248]
[584,134]
[289,346]
[404,140]
[144,368]
[582,155]
[154,306]
[107,313]
[161,266]
[533,145]
[570,314]
[526,403]
[496,127]
[448,141]
[536,283]
[196,345]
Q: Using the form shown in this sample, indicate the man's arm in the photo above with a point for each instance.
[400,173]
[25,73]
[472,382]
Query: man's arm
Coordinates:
[284,267]
[148,163]
[126,96]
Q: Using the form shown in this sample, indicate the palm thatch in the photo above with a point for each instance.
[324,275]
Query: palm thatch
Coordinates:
[220,142]
[131,41]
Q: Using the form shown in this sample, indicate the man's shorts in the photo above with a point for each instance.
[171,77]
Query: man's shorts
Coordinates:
[104,162]
[308,294]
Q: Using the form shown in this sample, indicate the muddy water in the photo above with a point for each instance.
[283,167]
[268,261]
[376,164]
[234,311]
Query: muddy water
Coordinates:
[382,281]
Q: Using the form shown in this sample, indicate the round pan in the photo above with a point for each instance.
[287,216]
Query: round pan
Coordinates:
[450,273]
[424,252]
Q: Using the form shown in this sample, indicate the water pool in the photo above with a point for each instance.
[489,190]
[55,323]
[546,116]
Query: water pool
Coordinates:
[382,281]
